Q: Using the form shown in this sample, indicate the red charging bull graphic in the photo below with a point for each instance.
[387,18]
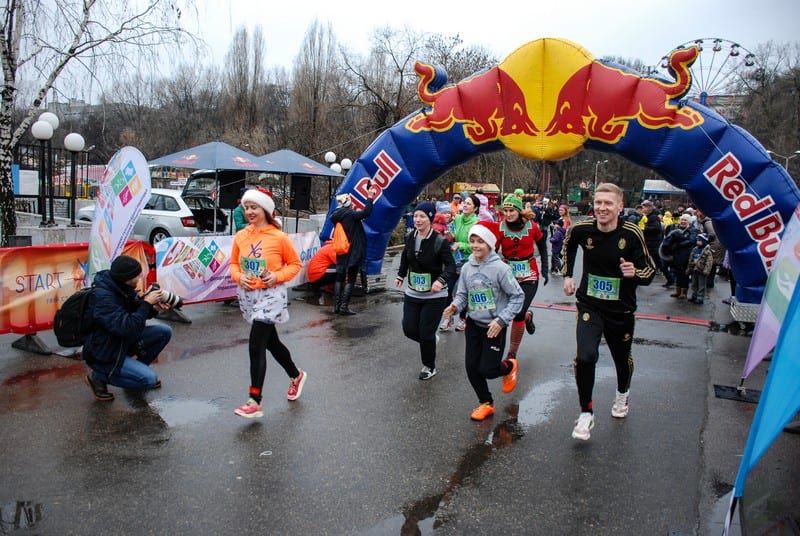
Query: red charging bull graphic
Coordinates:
[585,103]
[488,105]
[598,101]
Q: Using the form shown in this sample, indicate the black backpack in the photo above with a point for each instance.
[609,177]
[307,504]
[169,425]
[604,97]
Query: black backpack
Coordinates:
[73,322]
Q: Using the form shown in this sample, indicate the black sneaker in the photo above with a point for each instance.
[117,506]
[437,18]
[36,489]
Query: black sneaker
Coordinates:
[530,327]
[99,389]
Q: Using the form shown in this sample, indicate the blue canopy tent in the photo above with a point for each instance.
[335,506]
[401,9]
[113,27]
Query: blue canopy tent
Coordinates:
[219,157]
[213,155]
[301,169]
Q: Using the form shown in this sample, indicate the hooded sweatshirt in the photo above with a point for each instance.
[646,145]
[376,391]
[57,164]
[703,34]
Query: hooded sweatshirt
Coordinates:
[269,247]
[496,293]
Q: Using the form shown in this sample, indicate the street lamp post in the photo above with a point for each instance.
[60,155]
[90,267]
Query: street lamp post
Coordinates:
[344,166]
[785,158]
[596,167]
[74,143]
[42,131]
[52,119]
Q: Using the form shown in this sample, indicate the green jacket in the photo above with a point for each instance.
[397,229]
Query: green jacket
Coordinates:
[459,229]
[239,220]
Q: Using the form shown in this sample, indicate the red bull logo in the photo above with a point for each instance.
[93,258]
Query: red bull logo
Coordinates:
[487,105]
[587,105]
[555,83]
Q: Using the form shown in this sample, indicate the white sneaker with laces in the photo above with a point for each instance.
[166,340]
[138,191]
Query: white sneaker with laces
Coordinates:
[447,324]
[427,373]
[461,325]
[619,409]
[583,426]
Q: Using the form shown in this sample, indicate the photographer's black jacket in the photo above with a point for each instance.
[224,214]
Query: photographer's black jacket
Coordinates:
[119,316]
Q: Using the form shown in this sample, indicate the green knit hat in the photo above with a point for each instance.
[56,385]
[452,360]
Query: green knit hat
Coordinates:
[512,201]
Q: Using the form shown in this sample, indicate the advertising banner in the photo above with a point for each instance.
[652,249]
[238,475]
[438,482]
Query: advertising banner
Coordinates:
[123,191]
[198,268]
[36,280]
[777,294]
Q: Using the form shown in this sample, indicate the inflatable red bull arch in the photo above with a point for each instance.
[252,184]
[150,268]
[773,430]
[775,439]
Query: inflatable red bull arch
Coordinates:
[549,100]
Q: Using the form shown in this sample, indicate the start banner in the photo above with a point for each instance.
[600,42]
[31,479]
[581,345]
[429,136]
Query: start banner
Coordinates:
[36,280]
[198,268]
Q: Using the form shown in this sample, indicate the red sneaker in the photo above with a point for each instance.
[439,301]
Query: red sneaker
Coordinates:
[296,386]
[251,410]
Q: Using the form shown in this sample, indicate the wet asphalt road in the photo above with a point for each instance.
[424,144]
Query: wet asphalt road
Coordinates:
[370,450]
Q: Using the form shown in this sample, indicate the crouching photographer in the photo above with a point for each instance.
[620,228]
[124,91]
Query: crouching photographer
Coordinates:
[120,347]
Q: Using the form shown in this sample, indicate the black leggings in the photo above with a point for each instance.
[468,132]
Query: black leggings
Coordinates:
[483,359]
[617,328]
[264,337]
[529,288]
[420,320]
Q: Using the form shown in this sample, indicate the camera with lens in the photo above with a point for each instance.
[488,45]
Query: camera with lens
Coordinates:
[167,297]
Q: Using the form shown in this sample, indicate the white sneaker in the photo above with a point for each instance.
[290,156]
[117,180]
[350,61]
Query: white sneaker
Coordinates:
[583,426]
[461,325]
[447,324]
[427,373]
[619,409]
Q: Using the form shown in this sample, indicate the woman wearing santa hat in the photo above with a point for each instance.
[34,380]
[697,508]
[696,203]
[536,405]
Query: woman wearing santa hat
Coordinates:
[263,260]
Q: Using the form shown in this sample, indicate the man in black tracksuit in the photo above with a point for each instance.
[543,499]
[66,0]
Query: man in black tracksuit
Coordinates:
[615,262]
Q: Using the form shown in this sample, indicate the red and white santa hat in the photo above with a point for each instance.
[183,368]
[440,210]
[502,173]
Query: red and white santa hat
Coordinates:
[483,230]
[261,198]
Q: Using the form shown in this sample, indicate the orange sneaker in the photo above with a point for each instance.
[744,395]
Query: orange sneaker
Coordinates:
[481,412]
[510,379]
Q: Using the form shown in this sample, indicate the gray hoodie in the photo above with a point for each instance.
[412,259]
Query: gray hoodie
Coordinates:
[496,293]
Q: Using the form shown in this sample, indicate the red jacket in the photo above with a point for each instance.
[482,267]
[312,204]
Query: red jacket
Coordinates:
[520,245]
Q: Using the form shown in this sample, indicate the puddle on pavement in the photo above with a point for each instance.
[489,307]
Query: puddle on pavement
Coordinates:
[178,412]
[420,517]
[356,332]
[537,405]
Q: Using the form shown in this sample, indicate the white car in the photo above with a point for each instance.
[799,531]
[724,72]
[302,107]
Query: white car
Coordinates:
[165,214]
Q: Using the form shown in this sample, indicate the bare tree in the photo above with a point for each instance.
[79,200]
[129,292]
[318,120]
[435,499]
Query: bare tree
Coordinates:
[246,91]
[48,41]
[314,91]
[771,110]
[384,84]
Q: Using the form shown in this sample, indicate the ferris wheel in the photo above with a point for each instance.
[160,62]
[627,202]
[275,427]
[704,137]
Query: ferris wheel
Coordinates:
[717,74]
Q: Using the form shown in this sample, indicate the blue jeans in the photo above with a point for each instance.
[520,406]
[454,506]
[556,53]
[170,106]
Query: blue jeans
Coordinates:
[136,373]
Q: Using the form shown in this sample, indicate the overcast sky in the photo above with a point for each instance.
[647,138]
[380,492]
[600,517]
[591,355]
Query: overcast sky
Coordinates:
[643,29]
